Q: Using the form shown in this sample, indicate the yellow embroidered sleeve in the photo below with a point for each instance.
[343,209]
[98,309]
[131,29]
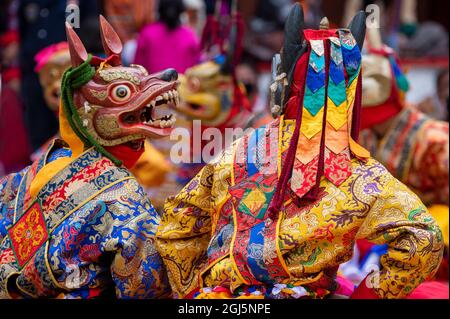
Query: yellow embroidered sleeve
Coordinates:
[185,231]
[415,244]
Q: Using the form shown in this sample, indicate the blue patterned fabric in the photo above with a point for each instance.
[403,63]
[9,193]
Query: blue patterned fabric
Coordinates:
[254,151]
[101,234]
[314,102]
[337,73]
[352,60]
[255,252]
[122,228]
[58,153]
[314,97]
[315,80]
[9,186]
[400,78]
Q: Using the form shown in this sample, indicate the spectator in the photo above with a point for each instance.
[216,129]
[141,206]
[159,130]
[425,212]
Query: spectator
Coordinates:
[128,17]
[14,149]
[195,14]
[436,106]
[41,23]
[167,43]
[14,146]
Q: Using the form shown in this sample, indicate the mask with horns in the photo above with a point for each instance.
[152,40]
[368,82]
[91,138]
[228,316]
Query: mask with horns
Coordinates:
[316,80]
[210,91]
[384,83]
[107,104]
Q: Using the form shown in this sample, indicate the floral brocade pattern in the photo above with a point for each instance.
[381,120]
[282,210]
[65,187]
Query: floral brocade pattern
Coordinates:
[119,223]
[28,234]
[197,231]
[97,240]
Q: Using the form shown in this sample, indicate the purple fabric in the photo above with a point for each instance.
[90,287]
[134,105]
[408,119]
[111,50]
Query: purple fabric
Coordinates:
[159,48]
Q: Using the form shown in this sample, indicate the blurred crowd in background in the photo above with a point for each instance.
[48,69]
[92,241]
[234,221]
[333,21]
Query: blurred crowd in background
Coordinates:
[157,33]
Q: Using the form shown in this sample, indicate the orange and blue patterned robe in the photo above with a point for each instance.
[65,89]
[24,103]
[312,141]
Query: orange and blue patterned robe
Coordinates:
[415,149]
[89,233]
[217,238]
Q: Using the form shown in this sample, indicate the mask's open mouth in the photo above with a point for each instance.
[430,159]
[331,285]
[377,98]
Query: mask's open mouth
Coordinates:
[136,145]
[198,111]
[193,110]
[195,107]
[156,113]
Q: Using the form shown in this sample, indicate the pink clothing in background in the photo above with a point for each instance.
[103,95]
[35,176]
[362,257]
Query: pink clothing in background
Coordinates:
[159,48]
[14,145]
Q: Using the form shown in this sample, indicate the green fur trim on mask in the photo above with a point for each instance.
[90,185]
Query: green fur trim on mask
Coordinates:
[73,79]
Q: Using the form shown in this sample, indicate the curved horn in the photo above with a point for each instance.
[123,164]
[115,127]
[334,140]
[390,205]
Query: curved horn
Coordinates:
[293,37]
[358,28]
[374,38]
[227,66]
[78,53]
[234,43]
[324,24]
[110,39]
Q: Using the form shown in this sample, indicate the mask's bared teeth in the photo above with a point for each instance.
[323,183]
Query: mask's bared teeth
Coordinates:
[153,103]
[142,117]
[166,96]
[173,96]
[167,121]
[159,98]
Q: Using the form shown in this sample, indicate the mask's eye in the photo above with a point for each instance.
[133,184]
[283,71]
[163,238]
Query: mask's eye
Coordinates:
[121,93]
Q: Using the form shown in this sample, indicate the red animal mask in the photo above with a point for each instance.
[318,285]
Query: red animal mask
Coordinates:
[121,104]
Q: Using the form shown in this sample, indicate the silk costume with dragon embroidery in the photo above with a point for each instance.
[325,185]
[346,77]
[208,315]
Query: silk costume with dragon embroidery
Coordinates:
[412,146]
[257,223]
[76,223]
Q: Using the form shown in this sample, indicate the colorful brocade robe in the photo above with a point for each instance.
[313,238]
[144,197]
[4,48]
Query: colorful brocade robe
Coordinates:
[89,233]
[217,239]
[415,149]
